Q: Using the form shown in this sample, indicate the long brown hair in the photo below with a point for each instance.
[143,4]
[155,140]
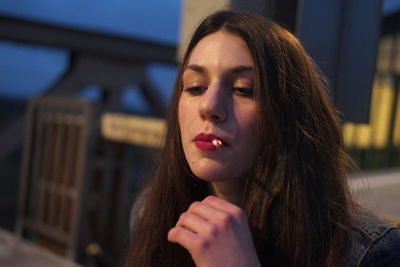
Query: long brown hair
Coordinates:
[296,197]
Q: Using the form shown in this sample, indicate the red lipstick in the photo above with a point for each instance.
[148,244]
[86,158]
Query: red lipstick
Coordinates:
[208,142]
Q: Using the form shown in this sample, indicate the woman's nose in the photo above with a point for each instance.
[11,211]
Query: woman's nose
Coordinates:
[212,105]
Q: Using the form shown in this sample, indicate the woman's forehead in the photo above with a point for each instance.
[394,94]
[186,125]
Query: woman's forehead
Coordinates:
[221,50]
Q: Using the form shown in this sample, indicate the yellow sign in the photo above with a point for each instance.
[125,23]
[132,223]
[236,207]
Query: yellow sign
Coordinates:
[132,129]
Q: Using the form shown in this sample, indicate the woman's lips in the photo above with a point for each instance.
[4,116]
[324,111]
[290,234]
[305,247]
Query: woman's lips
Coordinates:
[208,142]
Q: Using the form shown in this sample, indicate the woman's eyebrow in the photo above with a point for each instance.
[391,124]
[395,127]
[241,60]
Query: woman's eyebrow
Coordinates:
[240,69]
[196,68]
[237,69]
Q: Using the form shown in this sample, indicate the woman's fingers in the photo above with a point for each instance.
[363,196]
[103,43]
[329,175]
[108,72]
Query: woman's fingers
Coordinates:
[223,205]
[205,211]
[203,221]
[192,222]
[214,209]
[216,233]
[182,236]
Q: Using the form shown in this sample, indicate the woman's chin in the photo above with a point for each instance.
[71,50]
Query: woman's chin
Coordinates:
[212,170]
[212,175]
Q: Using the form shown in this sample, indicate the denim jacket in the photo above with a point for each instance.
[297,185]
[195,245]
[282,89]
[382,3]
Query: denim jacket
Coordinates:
[375,242]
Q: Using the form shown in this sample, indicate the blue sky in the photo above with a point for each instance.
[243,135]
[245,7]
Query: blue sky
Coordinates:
[390,6]
[27,70]
[148,19]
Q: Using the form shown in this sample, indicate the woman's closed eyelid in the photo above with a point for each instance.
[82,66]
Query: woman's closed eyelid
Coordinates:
[195,90]
[243,91]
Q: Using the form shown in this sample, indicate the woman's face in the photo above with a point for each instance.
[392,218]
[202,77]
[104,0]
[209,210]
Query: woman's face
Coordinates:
[217,109]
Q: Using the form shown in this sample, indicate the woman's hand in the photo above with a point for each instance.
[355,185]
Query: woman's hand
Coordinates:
[216,234]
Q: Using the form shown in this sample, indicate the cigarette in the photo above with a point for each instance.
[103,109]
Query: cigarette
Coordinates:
[216,142]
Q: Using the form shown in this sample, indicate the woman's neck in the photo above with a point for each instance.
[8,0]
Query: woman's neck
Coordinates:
[231,191]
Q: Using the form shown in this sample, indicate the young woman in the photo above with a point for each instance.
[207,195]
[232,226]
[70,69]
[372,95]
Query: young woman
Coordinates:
[253,169]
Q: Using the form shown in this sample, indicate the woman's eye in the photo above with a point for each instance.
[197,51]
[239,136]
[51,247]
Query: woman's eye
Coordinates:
[195,90]
[243,91]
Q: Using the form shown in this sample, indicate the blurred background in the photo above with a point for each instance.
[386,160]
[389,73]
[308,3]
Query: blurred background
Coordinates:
[84,89]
